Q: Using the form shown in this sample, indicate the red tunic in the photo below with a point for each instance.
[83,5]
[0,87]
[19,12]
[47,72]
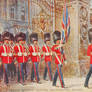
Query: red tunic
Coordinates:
[58,52]
[20,58]
[34,49]
[4,54]
[48,58]
[89,53]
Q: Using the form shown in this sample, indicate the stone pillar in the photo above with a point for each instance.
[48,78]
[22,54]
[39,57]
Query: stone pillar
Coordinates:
[83,35]
[76,46]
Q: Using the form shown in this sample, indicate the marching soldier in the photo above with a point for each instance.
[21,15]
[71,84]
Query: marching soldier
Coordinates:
[89,53]
[12,67]
[26,62]
[0,39]
[48,56]
[21,55]
[1,66]
[35,56]
[6,55]
[58,58]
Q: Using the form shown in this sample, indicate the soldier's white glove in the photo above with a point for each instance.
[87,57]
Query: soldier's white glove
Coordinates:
[65,62]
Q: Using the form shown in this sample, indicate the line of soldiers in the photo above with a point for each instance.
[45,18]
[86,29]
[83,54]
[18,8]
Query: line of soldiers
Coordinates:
[15,54]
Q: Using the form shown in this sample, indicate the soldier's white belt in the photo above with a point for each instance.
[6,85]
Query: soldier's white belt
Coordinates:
[10,54]
[47,54]
[35,54]
[25,54]
[20,54]
[5,54]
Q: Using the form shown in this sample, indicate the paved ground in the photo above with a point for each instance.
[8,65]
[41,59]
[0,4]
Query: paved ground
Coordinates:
[72,85]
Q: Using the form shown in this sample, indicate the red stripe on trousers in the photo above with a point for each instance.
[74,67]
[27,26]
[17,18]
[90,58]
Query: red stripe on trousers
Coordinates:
[35,72]
[60,77]
[48,70]
[20,72]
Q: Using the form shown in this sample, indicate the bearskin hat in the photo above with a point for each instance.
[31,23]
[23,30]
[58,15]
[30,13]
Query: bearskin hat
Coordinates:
[46,37]
[34,37]
[5,35]
[16,36]
[23,35]
[90,35]
[56,36]
[20,36]
[11,37]
[0,37]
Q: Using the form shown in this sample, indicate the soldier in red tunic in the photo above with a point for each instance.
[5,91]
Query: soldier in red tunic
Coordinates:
[21,55]
[35,56]
[1,66]
[25,67]
[0,39]
[58,58]
[12,67]
[47,52]
[89,53]
[6,55]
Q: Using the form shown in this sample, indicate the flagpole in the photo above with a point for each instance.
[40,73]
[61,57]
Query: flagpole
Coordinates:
[65,21]
[55,12]
[28,13]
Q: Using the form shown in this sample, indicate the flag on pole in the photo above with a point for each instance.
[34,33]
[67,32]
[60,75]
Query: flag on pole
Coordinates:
[65,24]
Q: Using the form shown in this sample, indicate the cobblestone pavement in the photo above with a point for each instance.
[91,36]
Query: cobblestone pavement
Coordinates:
[72,85]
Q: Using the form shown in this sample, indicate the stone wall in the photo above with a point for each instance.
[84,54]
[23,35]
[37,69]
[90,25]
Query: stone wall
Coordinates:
[76,47]
[43,18]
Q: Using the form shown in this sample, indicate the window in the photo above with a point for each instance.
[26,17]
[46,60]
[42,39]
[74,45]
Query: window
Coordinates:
[12,13]
[23,13]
